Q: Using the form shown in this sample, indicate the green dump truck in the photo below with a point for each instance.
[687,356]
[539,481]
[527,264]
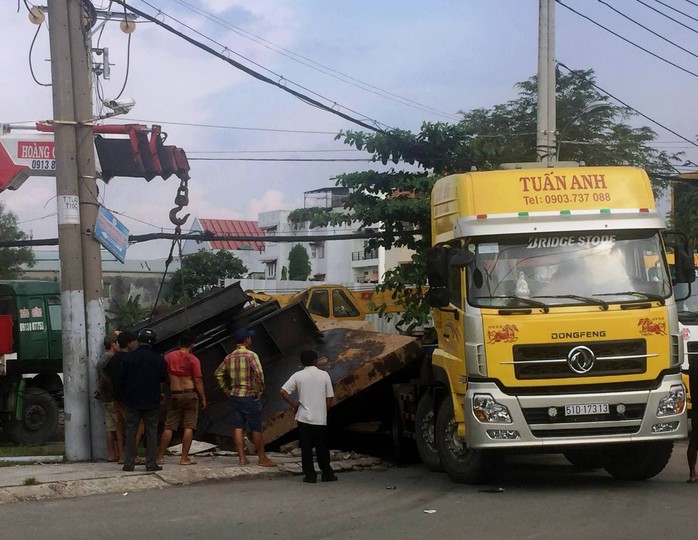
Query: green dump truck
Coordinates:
[31,388]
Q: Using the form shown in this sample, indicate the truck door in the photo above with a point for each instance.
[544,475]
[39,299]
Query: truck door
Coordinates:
[34,331]
[54,327]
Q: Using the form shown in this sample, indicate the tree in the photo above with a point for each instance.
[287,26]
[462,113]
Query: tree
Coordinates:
[128,312]
[201,272]
[298,263]
[398,201]
[11,259]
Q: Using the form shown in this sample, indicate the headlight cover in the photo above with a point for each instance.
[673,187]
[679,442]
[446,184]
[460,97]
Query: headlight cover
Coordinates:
[673,403]
[488,411]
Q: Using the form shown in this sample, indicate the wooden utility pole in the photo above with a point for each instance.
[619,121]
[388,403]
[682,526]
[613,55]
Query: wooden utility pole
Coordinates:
[81,270]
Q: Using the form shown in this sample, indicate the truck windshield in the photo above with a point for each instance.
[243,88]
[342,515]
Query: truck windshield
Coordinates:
[597,268]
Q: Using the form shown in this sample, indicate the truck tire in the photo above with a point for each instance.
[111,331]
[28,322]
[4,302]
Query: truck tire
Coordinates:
[425,428]
[39,418]
[584,458]
[638,461]
[463,465]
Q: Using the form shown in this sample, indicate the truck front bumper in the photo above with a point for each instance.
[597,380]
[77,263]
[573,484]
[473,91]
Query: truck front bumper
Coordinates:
[542,420]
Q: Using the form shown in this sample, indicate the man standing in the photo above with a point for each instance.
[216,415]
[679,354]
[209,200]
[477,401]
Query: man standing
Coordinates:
[240,376]
[314,389]
[142,373]
[105,394]
[692,452]
[185,383]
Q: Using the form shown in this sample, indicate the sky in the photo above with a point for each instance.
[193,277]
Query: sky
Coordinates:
[400,63]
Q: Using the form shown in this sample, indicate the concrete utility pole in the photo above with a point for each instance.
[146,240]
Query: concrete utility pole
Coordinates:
[74,178]
[81,62]
[546,139]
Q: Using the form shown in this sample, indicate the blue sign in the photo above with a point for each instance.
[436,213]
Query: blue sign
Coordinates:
[111,233]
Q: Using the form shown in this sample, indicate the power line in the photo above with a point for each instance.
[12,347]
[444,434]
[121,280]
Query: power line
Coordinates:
[667,16]
[256,75]
[624,39]
[242,128]
[575,73]
[306,160]
[646,28]
[348,79]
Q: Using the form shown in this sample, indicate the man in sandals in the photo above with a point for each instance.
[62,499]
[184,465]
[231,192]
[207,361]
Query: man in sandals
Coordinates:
[186,393]
[240,376]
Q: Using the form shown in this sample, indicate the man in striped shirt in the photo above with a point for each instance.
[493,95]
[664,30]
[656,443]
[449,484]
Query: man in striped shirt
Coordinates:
[240,376]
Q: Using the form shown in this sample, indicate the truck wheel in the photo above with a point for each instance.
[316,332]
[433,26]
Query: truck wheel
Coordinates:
[638,461]
[462,464]
[424,433]
[584,458]
[39,418]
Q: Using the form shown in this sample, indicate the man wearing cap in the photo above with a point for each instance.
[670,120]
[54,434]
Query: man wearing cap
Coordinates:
[240,376]
[143,371]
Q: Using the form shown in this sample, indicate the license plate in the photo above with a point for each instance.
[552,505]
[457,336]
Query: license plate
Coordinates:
[586,408]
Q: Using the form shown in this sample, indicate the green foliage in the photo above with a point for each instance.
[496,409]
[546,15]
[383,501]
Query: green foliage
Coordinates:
[128,312]
[316,216]
[201,272]
[684,216]
[399,200]
[11,259]
[298,263]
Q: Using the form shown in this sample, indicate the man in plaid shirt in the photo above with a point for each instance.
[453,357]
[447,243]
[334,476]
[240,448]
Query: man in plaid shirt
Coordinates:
[240,376]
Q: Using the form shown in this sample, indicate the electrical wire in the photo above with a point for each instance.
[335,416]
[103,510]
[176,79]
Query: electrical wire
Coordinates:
[646,28]
[31,49]
[297,160]
[626,39]
[215,126]
[306,99]
[575,73]
[128,67]
[667,16]
[303,60]
[677,10]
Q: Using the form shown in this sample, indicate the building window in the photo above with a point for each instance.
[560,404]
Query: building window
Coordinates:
[271,269]
[317,250]
[106,290]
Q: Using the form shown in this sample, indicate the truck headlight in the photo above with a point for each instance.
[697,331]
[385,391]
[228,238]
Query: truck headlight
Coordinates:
[487,410]
[673,403]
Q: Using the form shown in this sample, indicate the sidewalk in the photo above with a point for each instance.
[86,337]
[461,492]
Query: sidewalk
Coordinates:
[42,481]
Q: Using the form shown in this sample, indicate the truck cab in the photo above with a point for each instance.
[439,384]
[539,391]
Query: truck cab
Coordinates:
[554,330]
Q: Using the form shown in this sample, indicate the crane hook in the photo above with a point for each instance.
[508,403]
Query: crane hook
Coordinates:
[178,221]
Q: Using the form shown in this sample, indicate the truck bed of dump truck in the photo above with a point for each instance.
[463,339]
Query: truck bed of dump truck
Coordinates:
[355,359]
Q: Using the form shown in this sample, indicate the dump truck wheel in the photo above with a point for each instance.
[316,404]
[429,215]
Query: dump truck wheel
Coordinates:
[462,464]
[425,428]
[584,458]
[638,461]
[39,418]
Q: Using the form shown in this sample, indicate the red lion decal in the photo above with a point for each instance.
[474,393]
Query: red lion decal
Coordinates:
[506,334]
[647,327]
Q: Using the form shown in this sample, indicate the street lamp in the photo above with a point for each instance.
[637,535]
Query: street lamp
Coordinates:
[594,106]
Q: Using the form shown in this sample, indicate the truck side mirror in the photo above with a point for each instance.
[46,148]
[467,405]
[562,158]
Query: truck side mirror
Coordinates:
[437,297]
[684,268]
[437,269]
[460,258]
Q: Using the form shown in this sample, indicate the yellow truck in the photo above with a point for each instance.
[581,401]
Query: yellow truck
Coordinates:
[554,332]
[326,302]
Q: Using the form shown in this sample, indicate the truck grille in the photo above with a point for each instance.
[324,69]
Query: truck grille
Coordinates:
[549,361]
[585,432]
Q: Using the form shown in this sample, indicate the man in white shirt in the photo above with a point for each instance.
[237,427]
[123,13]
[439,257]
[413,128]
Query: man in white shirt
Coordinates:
[314,390]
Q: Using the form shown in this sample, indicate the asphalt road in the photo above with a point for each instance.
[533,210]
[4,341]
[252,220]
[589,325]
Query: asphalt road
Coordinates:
[538,497]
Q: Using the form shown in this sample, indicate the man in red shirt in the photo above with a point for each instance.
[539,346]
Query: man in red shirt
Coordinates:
[184,370]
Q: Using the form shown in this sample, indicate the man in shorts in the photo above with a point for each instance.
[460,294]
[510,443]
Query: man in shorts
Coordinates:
[186,392]
[240,376]
[105,394]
